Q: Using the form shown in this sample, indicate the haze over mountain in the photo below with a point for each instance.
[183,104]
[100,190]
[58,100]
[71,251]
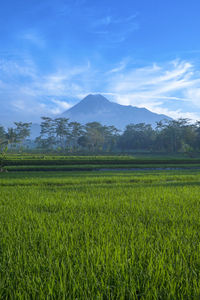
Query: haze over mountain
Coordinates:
[98,108]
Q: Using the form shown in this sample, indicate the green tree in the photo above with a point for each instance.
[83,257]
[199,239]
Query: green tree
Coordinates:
[76,131]
[47,138]
[137,137]
[11,137]
[111,135]
[62,132]
[94,132]
[22,131]
[174,135]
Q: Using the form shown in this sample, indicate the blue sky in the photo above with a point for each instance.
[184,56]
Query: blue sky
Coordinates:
[143,53]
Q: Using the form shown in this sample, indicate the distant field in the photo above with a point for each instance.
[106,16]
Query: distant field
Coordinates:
[86,163]
[100,235]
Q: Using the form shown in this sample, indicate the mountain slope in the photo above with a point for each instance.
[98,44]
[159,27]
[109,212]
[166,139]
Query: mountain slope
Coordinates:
[98,108]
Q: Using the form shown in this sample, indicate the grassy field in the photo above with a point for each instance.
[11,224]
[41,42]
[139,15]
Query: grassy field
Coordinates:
[100,235]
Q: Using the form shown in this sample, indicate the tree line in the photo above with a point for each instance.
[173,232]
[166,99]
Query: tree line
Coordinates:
[64,136]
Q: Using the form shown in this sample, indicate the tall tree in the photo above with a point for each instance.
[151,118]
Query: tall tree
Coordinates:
[95,136]
[111,135]
[22,131]
[46,139]
[62,131]
[76,131]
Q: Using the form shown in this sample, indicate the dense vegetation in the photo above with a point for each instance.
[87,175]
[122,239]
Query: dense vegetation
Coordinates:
[100,235]
[61,136]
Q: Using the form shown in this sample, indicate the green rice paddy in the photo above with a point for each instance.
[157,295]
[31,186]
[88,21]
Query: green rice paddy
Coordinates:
[100,235]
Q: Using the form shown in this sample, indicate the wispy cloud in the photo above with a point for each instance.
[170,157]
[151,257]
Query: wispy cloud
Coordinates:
[14,69]
[111,20]
[120,67]
[155,86]
[60,106]
[170,88]
[115,29]
[25,91]
[33,38]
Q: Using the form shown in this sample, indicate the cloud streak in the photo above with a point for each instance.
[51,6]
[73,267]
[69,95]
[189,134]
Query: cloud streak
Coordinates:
[115,29]
[155,86]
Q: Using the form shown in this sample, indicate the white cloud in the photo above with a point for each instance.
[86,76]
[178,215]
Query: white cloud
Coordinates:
[154,86]
[11,69]
[121,66]
[194,94]
[61,105]
[65,82]
[32,107]
[25,91]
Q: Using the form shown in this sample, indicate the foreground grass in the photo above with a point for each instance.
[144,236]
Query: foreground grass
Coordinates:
[117,235]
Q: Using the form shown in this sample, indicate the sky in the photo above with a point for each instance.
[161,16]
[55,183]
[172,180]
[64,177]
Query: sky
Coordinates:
[144,53]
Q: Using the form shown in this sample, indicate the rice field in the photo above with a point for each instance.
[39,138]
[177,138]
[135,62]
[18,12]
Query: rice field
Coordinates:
[33,163]
[100,235]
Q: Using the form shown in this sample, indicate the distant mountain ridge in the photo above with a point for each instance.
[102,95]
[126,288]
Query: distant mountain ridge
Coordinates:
[100,109]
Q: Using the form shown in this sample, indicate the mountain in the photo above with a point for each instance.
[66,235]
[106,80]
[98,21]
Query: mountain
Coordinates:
[98,108]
